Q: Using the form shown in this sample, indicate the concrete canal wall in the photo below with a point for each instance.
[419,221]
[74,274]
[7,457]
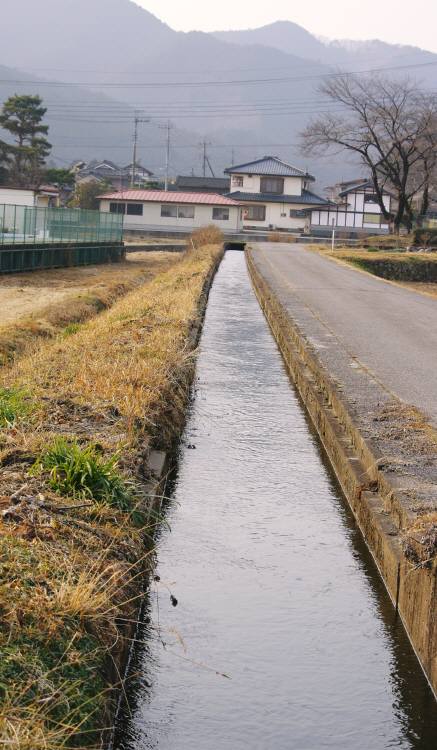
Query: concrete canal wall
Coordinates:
[38,257]
[380,499]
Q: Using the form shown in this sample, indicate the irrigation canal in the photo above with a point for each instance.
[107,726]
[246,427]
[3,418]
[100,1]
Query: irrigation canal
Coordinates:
[284,637]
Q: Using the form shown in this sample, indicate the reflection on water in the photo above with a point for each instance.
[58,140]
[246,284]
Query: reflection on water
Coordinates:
[276,589]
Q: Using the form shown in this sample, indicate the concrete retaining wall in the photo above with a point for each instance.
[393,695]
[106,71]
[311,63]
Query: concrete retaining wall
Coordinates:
[379,512]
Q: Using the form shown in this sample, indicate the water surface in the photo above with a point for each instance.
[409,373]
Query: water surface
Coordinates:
[276,589]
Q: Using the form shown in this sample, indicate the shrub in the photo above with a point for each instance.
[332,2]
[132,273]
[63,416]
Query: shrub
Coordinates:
[14,405]
[281,237]
[396,266]
[210,235]
[425,237]
[82,472]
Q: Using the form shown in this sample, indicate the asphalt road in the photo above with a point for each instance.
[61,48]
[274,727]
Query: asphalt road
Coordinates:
[389,330]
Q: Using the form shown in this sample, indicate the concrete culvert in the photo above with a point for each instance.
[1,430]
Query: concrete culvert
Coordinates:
[235,246]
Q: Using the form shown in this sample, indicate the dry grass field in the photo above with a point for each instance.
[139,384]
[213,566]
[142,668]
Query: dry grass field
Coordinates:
[40,304]
[78,416]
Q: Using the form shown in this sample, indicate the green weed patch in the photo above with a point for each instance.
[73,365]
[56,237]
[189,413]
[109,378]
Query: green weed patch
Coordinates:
[82,472]
[14,405]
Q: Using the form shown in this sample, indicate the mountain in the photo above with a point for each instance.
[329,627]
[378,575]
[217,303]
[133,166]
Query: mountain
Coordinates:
[246,93]
[351,55]
[85,124]
[74,35]
[285,36]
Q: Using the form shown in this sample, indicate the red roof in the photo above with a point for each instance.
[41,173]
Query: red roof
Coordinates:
[161,196]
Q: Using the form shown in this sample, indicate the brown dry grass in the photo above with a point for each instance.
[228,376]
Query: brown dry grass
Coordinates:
[40,304]
[72,570]
[210,235]
[420,541]
[423,287]
[282,237]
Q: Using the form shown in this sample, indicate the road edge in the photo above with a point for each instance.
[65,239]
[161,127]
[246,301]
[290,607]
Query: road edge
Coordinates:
[370,495]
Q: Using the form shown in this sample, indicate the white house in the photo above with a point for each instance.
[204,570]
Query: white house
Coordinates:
[354,206]
[158,209]
[43,197]
[273,194]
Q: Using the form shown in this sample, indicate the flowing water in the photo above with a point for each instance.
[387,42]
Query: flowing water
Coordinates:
[284,637]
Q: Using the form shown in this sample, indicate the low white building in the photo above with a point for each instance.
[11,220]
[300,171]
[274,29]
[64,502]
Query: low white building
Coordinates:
[353,206]
[43,197]
[158,209]
[273,194]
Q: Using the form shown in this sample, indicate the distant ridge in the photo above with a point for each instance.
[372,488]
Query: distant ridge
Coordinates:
[91,43]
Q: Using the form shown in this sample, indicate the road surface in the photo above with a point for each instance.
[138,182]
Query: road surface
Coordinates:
[389,330]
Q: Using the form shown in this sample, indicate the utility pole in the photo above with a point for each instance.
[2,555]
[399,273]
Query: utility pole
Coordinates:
[137,121]
[168,128]
[205,144]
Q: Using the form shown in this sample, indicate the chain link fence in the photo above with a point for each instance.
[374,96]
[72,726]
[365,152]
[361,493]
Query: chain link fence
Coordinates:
[26,225]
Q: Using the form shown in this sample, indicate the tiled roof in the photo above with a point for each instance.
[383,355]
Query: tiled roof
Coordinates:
[161,196]
[362,186]
[356,186]
[48,189]
[202,182]
[307,197]
[269,165]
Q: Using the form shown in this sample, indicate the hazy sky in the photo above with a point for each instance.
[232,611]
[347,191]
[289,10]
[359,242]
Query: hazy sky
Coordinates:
[391,20]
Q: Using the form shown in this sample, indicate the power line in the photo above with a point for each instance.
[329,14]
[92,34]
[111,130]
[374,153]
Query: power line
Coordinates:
[121,146]
[115,104]
[231,82]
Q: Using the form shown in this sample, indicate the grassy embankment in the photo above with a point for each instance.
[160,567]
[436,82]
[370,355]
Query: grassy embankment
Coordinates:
[413,270]
[77,420]
[39,305]
[397,266]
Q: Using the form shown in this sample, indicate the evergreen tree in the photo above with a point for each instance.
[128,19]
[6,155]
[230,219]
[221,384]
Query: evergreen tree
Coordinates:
[22,117]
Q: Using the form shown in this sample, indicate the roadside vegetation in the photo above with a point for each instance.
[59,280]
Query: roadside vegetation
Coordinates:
[383,258]
[78,418]
[398,266]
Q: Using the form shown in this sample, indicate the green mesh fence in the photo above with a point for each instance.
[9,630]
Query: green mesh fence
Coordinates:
[25,225]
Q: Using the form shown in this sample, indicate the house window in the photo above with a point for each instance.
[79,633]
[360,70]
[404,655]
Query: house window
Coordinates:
[178,212]
[117,208]
[169,211]
[254,213]
[237,181]
[134,209]
[371,218]
[220,214]
[273,185]
[185,212]
[370,198]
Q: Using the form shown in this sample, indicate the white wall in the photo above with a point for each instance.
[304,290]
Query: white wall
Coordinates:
[17,197]
[152,217]
[353,218]
[252,184]
[275,218]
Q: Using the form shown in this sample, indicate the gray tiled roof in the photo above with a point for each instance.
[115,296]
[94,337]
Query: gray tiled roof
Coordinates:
[269,165]
[356,186]
[202,182]
[362,186]
[307,197]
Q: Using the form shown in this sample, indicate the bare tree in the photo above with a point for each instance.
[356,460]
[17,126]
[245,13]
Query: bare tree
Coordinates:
[391,126]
